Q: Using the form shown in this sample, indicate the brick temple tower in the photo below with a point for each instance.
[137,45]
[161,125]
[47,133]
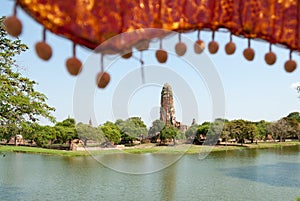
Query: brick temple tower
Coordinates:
[167,110]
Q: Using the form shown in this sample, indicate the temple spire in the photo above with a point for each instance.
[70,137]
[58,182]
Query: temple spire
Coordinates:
[167,110]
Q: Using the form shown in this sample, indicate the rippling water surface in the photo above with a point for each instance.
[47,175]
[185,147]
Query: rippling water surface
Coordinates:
[268,174]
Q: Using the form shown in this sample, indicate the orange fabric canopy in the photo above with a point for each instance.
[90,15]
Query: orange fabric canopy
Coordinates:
[92,22]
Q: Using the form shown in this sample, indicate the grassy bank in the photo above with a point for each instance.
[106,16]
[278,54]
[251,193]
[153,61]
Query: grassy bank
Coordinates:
[37,150]
[148,148]
[195,149]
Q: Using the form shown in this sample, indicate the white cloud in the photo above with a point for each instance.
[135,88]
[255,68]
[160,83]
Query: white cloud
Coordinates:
[295,85]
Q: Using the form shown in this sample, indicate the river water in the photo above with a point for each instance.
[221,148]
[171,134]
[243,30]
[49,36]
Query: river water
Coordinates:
[266,174]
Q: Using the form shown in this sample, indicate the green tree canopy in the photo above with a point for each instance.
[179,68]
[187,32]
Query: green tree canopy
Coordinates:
[156,127]
[294,115]
[86,132]
[111,132]
[169,132]
[191,131]
[262,128]
[44,135]
[241,129]
[65,131]
[131,129]
[19,101]
[284,128]
[251,131]
[237,130]
[226,132]
[69,122]
[203,128]
[28,130]
[214,132]
[180,135]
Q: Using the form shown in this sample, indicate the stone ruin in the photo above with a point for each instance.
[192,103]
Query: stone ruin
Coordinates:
[167,109]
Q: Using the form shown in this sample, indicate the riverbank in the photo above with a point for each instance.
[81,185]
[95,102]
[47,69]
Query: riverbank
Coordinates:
[37,150]
[147,148]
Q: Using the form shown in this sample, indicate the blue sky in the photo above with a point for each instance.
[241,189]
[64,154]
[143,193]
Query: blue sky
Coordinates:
[252,90]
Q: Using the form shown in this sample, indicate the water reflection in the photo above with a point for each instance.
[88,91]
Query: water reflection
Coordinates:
[9,192]
[168,184]
[279,174]
[294,150]
[242,153]
[261,175]
[137,163]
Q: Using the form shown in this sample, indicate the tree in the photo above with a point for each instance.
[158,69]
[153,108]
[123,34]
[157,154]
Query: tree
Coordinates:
[86,132]
[210,132]
[241,130]
[131,129]
[214,132]
[111,132]
[168,132]
[191,131]
[251,131]
[137,121]
[65,131]
[298,131]
[262,128]
[69,122]
[180,135]
[203,129]
[28,131]
[119,122]
[200,133]
[237,130]
[294,115]
[280,129]
[19,101]
[294,120]
[156,127]
[44,135]
[293,127]
[226,132]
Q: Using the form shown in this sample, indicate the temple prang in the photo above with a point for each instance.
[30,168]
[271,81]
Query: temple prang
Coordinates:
[167,109]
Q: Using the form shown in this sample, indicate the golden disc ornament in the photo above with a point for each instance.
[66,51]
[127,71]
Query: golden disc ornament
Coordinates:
[43,50]
[199,46]
[161,56]
[74,66]
[230,48]
[13,26]
[249,53]
[270,58]
[180,48]
[213,47]
[102,79]
[290,66]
